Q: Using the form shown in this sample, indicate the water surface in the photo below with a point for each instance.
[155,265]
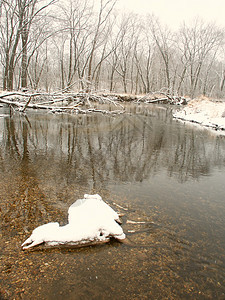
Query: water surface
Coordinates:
[148,167]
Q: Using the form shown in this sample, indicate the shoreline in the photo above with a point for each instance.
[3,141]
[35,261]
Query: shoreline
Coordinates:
[206,113]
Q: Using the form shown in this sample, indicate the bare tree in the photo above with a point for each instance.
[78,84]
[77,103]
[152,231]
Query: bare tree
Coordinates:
[164,42]
[196,44]
[105,9]
[83,44]
[17,19]
[144,55]
[124,53]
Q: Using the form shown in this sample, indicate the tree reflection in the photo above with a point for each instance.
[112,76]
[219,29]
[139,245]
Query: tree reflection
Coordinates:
[47,161]
[23,202]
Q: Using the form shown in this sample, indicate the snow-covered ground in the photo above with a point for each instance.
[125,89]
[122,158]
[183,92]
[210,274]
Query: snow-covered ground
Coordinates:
[207,113]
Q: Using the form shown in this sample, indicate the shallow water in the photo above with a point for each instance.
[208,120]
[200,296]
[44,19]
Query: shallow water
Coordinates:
[148,167]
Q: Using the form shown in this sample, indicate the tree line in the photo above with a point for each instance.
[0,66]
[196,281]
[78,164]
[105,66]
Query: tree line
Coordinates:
[91,45]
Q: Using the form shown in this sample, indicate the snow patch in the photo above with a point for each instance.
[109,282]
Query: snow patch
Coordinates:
[90,220]
[204,112]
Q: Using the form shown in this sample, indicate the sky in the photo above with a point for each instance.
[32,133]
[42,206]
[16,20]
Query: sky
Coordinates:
[174,12]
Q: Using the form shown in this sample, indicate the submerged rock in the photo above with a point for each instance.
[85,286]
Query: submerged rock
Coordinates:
[90,220]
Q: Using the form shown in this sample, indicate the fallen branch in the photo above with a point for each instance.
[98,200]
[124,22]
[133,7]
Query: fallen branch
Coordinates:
[70,101]
[103,111]
[157,100]
[156,97]
[135,222]
[26,105]
[19,94]
[119,206]
[82,102]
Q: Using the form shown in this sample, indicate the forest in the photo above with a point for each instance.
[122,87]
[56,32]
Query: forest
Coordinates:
[93,46]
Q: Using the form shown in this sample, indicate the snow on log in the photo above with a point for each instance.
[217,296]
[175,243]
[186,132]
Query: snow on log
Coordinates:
[90,221]
[162,97]
[82,102]
[72,102]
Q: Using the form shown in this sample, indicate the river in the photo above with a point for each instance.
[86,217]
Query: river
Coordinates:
[166,175]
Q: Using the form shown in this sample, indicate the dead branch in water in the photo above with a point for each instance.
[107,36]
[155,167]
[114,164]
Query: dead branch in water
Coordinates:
[82,102]
[162,97]
[70,102]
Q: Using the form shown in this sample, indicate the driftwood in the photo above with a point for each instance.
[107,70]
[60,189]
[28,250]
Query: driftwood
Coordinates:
[70,102]
[82,102]
[163,97]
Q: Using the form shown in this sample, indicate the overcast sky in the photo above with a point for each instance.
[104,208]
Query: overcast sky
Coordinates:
[173,12]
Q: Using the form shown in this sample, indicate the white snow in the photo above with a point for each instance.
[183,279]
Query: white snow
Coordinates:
[207,113]
[89,220]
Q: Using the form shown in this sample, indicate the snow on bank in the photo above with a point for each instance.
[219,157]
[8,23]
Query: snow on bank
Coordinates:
[90,220]
[207,113]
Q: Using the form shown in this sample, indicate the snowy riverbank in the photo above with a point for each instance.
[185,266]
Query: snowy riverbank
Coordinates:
[207,113]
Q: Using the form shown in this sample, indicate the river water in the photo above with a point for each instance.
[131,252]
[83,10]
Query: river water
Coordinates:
[167,175]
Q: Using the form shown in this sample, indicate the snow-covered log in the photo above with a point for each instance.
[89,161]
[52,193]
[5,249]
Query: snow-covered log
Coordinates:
[162,97]
[90,221]
[61,102]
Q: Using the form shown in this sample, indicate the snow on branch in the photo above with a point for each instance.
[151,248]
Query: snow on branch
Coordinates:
[83,102]
[163,97]
[60,102]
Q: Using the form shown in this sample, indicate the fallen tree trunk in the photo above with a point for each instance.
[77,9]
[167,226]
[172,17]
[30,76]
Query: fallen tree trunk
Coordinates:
[82,102]
[72,102]
[23,106]
[158,97]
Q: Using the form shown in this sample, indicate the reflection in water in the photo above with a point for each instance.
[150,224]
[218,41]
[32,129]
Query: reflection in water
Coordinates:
[164,172]
[101,148]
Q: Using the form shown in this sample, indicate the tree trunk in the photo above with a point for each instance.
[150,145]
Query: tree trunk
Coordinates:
[24,39]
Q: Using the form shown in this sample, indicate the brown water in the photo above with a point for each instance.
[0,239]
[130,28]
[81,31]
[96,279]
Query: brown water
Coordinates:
[165,173]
